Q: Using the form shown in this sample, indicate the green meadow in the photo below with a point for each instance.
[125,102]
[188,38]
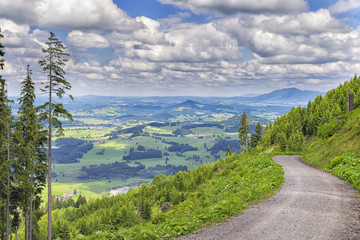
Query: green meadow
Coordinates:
[96,129]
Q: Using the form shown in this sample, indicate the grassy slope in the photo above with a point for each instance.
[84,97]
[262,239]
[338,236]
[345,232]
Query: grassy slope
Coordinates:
[232,184]
[339,153]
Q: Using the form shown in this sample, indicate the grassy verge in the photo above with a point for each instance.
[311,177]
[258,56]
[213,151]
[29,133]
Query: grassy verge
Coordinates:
[338,151]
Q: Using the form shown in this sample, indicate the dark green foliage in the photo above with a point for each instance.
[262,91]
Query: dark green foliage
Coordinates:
[61,230]
[182,132]
[243,130]
[287,131]
[222,146]
[168,169]
[141,148]
[29,151]
[4,141]
[228,151]
[70,149]
[257,136]
[176,147]
[133,155]
[113,170]
[80,202]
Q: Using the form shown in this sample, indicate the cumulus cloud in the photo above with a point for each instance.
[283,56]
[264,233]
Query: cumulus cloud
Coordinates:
[252,42]
[305,23]
[70,14]
[190,43]
[229,7]
[344,6]
[87,40]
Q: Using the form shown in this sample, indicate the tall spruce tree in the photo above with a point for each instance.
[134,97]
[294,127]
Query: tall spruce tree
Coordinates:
[256,137]
[5,114]
[56,84]
[30,140]
[243,130]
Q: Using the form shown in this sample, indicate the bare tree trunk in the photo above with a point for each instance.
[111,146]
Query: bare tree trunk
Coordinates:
[8,187]
[49,155]
[31,208]
[26,225]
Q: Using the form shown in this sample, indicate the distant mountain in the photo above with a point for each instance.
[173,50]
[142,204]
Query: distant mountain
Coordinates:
[287,96]
[189,104]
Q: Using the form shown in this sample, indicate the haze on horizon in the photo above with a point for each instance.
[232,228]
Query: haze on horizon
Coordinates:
[186,48]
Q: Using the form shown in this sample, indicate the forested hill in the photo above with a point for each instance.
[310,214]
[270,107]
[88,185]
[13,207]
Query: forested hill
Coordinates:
[328,135]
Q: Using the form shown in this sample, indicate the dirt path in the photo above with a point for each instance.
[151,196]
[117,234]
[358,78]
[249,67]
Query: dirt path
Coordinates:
[312,204]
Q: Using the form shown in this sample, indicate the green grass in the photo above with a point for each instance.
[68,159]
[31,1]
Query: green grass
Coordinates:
[339,153]
[320,151]
[227,187]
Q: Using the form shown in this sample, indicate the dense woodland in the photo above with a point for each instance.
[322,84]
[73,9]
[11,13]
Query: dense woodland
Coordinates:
[142,154]
[69,150]
[318,118]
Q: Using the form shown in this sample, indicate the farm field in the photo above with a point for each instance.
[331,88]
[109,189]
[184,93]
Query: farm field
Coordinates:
[129,140]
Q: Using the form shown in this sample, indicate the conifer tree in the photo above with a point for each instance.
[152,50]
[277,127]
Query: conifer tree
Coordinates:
[243,130]
[256,137]
[30,141]
[228,151]
[5,114]
[56,84]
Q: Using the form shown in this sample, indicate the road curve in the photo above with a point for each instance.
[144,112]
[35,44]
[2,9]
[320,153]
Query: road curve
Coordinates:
[311,204]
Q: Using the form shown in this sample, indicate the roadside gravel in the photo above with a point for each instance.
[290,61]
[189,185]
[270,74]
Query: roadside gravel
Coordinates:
[312,204]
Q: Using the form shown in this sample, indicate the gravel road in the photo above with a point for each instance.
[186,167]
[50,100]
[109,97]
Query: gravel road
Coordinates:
[312,204]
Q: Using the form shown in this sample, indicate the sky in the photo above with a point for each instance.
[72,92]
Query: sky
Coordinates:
[185,47]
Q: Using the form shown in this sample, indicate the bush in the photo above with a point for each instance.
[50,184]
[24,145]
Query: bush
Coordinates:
[328,129]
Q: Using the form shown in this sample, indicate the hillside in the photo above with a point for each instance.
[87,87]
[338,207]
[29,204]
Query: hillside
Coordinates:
[171,206]
[339,151]
[325,131]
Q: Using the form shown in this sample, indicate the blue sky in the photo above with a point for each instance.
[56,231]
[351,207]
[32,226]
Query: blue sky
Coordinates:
[186,47]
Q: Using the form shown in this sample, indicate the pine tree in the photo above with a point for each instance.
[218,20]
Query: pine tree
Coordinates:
[228,151]
[256,137]
[30,141]
[55,59]
[5,115]
[243,130]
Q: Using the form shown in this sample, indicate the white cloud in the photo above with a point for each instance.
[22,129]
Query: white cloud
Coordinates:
[70,14]
[189,43]
[344,5]
[245,50]
[227,7]
[305,23]
[86,40]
